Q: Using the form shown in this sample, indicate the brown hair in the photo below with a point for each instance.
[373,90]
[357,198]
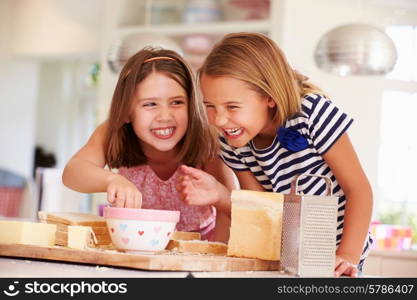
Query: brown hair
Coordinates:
[255,59]
[121,143]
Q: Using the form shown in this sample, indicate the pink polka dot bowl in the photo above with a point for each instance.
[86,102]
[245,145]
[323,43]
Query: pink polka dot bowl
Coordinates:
[134,229]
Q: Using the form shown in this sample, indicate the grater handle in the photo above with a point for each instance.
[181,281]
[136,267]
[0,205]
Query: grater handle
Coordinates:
[329,183]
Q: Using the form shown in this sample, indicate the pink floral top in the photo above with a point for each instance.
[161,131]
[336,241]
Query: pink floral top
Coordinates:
[162,194]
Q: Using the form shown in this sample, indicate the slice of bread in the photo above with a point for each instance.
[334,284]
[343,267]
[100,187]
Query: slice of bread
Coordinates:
[196,246]
[64,219]
[72,218]
[256,226]
[185,236]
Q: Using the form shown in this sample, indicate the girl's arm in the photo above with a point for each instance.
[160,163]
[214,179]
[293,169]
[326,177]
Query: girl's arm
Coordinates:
[88,163]
[85,173]
[225,176]
[345,165]
[212,185]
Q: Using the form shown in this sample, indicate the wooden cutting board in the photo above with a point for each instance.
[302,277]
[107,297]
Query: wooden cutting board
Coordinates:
[158,261]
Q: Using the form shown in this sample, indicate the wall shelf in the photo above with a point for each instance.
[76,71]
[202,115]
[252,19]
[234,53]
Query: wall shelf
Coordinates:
[207,28]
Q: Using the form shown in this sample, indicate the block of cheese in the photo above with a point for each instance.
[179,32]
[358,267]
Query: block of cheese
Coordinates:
[63,235]
[62,239]
[185,236]
[197,246]
[27,233]
[80,237]
[256,225]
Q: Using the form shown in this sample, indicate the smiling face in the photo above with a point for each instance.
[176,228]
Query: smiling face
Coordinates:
[159,113]
[240,113]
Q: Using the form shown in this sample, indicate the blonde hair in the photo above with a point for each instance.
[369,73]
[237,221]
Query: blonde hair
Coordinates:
[121,143]
[255,59]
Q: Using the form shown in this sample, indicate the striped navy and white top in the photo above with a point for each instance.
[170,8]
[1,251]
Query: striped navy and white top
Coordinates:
[275,167]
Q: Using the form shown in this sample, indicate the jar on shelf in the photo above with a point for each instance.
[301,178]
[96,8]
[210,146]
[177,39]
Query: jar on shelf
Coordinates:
[202,11]
[166,11]
[241,10]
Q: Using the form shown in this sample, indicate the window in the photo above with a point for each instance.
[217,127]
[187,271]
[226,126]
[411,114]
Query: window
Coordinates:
[405,40]
[397,159]
[398,153]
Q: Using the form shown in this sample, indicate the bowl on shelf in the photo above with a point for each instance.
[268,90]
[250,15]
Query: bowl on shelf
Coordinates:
[134,229]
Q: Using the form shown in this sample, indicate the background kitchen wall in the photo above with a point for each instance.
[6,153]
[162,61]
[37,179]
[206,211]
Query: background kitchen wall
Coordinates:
[47,96]
[50,97]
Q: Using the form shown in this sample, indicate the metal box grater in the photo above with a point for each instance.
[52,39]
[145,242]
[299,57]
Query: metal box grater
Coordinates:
[309,232]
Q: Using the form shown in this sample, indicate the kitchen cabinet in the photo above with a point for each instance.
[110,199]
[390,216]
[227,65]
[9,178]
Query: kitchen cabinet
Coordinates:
[388,263]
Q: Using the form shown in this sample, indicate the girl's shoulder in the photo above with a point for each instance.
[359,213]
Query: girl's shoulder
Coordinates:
[310,102]
[313,105]
[313,108]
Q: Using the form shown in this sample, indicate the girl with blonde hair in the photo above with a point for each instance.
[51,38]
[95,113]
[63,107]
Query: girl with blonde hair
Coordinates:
[276,125]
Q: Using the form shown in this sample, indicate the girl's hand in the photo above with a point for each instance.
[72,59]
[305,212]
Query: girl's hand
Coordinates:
[344,266]
[123,193]
[197,187]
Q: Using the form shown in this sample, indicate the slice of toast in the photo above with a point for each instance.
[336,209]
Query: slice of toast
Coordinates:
[197,246]
[185,236]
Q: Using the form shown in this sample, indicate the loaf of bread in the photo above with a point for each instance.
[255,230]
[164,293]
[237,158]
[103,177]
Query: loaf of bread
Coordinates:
[256,226]
[197,246]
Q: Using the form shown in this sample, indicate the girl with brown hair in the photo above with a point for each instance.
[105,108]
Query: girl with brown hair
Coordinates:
[156,123]
[276,125]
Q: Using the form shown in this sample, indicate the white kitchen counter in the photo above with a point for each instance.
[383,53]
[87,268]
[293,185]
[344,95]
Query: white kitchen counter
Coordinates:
[23,267]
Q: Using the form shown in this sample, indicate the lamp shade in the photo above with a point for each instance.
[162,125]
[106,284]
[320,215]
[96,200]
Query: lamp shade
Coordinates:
[122,49]
[356,49]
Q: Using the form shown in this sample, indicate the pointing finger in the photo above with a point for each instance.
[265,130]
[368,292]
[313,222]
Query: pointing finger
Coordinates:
[111,195]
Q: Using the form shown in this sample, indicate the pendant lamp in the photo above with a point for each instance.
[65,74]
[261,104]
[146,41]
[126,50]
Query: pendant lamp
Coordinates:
[356,49]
